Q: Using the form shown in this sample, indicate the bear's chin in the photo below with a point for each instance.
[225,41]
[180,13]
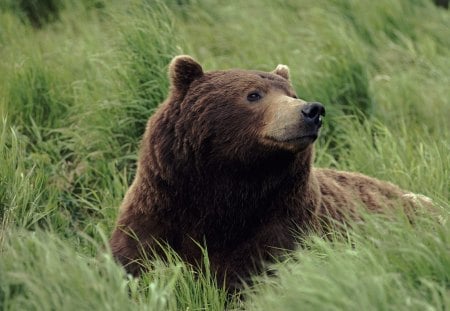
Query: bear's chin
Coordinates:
[296,144]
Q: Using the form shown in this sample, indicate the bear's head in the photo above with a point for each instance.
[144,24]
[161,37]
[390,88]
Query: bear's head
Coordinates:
[235,116]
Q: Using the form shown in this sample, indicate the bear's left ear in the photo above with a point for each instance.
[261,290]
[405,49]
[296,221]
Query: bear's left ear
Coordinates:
[183,70]
[282,70]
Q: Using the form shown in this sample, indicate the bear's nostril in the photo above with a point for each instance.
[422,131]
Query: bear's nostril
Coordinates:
[313,110]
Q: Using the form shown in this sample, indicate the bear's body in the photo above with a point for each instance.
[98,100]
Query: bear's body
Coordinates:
[226,162]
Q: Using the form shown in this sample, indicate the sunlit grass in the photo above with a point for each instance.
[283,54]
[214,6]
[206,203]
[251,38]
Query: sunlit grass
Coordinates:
[75,95]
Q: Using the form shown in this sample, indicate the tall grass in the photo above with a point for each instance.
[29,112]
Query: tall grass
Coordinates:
[77,87]
[364,270]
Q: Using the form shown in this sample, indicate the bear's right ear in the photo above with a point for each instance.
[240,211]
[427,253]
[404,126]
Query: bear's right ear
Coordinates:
[183,70]
[282,71]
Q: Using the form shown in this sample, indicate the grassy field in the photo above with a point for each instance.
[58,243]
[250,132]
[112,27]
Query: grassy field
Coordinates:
[79,79]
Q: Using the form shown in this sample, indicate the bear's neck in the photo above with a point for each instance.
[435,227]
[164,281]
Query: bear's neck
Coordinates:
[225,201]
[242,190]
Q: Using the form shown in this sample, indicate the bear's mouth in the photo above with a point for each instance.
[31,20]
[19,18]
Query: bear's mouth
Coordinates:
[302,139]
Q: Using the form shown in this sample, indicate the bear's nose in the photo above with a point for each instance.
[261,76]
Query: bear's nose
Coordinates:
[313,111]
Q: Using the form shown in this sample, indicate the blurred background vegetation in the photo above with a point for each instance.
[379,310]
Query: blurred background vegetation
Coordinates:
[79,79]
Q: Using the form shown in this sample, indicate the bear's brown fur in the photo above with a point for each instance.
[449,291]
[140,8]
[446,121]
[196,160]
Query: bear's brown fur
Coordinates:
[226,161]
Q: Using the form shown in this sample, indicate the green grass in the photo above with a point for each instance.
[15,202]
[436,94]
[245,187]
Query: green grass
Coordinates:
[364,270]
[77,87]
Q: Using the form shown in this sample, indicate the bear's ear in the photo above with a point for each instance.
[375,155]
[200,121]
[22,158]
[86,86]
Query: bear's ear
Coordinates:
[183,70]
[282,70]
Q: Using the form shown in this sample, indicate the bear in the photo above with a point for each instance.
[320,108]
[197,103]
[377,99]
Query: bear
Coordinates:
[226,163]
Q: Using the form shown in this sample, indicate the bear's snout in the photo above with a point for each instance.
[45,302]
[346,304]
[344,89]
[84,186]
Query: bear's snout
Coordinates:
[312,113]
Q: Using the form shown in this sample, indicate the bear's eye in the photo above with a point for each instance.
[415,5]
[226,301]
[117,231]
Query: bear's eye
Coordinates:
[294,96]
[254,96]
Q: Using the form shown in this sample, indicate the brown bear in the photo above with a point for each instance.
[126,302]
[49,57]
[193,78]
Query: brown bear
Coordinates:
[225,162]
